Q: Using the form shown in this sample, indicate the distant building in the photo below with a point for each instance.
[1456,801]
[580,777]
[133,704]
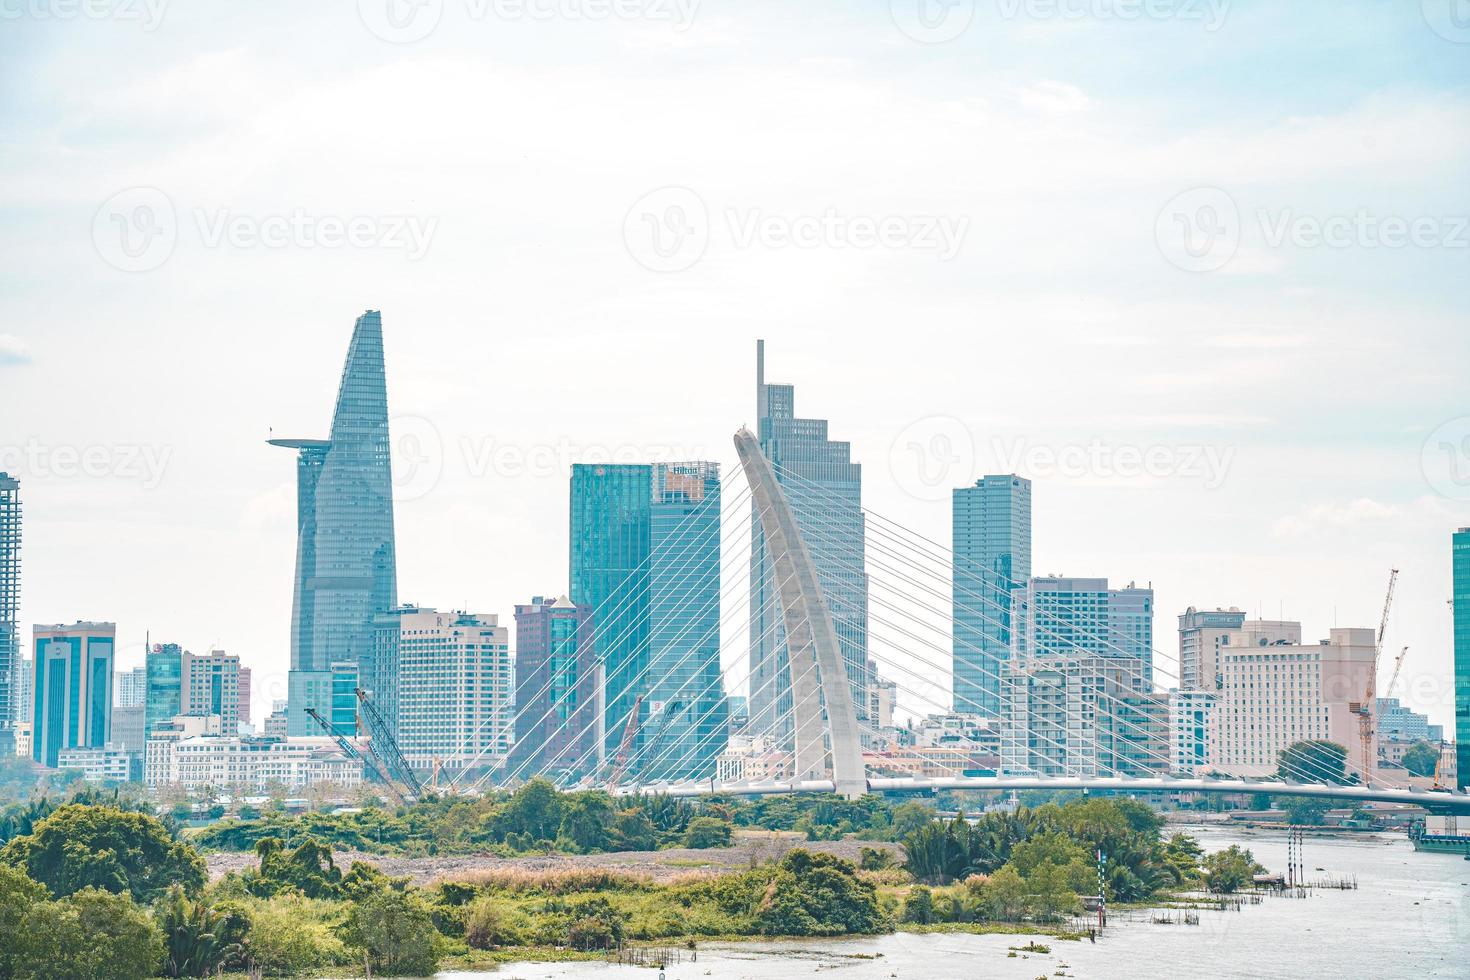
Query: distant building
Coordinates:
[686,715]
[109,763]
[164,667]
[1191,730]
[132,687]
[330,693]
[991,535]
[158,749]
[346,565]
[1082,617]
[73,688]
[211,686]
[1201,633]
[1461,563]
[1082,715]
[455,690]
[557,703]
[24,696]
[825,489]
[1276,691]
[753,760]
[242,711]
[1401,723]
[275,722]
[252,762]
[882,698]
[10,535]
[129,728]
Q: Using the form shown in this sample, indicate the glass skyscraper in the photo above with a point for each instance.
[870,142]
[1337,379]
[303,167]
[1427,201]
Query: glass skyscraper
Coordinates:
[346,568]
[164,665]
[73,689]
[1461,544]
[10,664]
[687,720]
[611,510]
[991,535]
[825,489]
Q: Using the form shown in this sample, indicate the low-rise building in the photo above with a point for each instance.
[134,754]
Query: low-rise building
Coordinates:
[252,762]
[110,763]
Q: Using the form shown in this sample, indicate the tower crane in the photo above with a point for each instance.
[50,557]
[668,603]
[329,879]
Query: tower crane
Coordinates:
[620,765]
[346,745]
[1398,665]
[390,755]
[1365,711]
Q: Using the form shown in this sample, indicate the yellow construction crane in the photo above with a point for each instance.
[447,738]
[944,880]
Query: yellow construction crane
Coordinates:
[1365,711]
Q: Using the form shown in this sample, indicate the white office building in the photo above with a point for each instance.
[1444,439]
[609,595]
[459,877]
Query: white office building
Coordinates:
[1275,691]
[1201,634]
[252,762]
[456,690]
[1191,730]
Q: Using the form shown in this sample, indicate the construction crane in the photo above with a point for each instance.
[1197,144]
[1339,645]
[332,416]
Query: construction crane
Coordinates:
[1398,665]
[385,747]
[620,765]
[1365,711]
[346,745]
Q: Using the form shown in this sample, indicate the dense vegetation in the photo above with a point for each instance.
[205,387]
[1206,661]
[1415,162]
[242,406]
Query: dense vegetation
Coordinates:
[100,891]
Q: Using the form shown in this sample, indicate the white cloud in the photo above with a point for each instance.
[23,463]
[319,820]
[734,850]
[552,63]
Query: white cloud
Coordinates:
[1335,515]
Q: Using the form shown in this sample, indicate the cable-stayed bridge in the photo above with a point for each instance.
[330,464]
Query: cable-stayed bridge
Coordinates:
[1110,740]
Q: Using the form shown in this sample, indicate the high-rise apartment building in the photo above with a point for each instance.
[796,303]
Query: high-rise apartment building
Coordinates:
[1081,715]
[346,566]
[331,693]
[1201,634]
[9,610]
[1461,572]
[73,688]
[1069,617]
[991,536]
[611,508]
[687,719]
[456,692]
[824,487]
[557,705]
[1275,690]
[132,687]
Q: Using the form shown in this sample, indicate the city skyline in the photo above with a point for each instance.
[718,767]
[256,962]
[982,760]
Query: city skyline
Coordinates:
[1058,327]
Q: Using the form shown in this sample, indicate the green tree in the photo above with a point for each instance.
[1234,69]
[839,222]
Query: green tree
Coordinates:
[90,935]
[396,934]
[198,939]
[18,894]
[1005,895]
[909,817]
[1316,761]
[288,936]
[586,823]
[82,846]
[918,905]
[705,832]
[1304,811]
[534,810]
[1421,758]
[1230,870]
[1048,894]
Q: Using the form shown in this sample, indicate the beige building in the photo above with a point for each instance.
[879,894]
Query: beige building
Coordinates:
[1275,691]
[252,762]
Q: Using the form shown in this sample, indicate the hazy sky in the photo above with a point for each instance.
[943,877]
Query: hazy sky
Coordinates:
[1199,269]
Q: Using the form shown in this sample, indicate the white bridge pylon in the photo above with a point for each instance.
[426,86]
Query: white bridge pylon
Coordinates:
[814,656]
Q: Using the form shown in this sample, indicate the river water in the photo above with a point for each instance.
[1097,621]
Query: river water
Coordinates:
[1409,917]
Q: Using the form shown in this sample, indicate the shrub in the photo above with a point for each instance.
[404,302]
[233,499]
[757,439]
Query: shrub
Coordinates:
[395,932]
[92,934]
[704,832]
[919,906]
[290,935]
[489,924]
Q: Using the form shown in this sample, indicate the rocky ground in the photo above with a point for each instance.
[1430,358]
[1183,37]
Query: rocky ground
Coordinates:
[756,848]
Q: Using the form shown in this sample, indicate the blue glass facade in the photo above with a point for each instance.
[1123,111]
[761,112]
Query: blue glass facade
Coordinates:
[991,534]
[346,567]
[824,487]
[611,510]
[72,703]
[687,720]
[1461,565]
[165,667]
